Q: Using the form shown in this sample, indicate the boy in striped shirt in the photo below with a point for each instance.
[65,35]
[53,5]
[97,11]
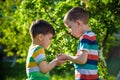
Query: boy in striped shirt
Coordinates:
[36,65]
[86,59]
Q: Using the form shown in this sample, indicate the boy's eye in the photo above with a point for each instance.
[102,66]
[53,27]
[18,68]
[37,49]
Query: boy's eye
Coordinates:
[69,26]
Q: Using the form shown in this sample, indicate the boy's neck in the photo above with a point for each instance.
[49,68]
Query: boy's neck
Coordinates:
[86,28]
[35,42]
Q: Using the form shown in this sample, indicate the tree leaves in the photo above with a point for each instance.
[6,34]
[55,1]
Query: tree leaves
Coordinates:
[17,16]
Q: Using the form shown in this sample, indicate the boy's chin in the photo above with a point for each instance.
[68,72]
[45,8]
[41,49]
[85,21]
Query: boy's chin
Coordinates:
[76,36]
[45,47]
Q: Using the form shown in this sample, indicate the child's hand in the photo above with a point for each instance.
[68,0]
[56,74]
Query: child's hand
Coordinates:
[62,56]
[60,59]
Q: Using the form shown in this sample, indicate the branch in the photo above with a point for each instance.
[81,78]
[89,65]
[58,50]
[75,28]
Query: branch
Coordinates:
[105,39]
[52,20]
[102,47]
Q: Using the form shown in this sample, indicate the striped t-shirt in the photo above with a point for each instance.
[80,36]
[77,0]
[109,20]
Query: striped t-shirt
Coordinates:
[88,71]
[35,56]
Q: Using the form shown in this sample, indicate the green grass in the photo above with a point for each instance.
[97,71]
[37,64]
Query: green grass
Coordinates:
[18,73]
[66,77]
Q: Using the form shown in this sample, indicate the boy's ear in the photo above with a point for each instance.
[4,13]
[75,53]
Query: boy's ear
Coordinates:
[40,36]
[78,22]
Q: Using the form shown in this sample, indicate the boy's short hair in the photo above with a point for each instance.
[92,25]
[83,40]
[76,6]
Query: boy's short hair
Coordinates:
[77,13]
[41,27]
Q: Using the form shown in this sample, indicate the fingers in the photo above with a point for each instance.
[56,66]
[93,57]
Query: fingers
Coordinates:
[60,62]
[62,56]
[61,59]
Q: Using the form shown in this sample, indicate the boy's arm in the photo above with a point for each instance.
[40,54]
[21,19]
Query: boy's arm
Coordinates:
[46,67]
[79,59]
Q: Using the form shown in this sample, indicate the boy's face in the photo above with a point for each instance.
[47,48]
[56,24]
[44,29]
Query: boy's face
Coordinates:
[74,28]
[46,40]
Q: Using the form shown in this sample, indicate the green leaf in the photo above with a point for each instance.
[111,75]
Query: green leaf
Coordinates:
[105,1]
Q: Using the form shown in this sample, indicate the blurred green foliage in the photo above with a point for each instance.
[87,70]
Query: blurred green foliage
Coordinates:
[16,17]
[18,73]
[12,73]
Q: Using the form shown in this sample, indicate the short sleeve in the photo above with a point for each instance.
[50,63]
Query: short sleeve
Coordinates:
[87,42]
[39,55]
[83,44]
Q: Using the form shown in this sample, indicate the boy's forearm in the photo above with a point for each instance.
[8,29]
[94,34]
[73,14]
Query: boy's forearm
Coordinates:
[48,67]
[71,58]
[52,64]
[78,59]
